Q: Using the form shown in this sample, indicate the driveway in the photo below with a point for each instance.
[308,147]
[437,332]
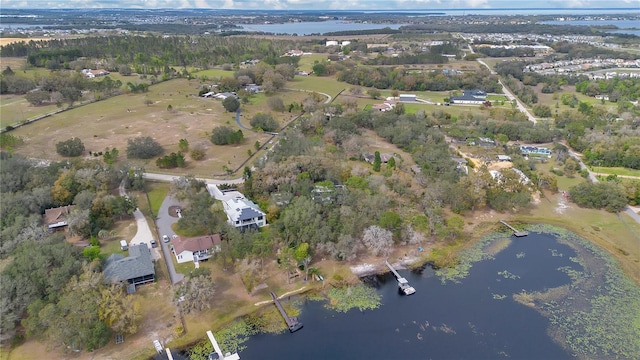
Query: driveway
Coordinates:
[170,178]
[163,223]
[143,234]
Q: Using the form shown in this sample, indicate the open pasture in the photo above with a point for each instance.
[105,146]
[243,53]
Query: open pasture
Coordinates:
[111,122]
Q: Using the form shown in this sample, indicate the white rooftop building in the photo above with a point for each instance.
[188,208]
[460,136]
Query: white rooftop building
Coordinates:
[241,212]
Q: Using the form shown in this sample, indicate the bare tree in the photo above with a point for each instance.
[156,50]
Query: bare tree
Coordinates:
[377,240]
[196,293]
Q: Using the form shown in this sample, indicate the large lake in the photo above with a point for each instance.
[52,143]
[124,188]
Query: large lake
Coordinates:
[320,27]
[475,317]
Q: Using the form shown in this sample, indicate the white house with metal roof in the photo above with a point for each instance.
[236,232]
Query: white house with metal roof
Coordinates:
[241,212]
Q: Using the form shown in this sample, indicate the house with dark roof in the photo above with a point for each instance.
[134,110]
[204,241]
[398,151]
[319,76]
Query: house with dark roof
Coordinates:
[477,97]
[241,212]
[135,269]
[195,248]
[56,218]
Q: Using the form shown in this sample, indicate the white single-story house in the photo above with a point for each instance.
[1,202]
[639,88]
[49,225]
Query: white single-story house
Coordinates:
[504,158]
[196,248]
[408,97]
[241,212]
[225,95]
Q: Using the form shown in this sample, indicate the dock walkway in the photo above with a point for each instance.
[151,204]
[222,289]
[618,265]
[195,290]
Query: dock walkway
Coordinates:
[403,284]
[516,232]
[292,322]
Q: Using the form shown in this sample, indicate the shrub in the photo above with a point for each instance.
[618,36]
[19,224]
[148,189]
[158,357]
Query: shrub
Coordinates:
[197,152]
[265,122]
[70,148]
[224,135]
[171,161]
[143,147]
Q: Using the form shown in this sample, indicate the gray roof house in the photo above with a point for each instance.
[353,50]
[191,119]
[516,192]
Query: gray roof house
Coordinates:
[135,269]
[470,97]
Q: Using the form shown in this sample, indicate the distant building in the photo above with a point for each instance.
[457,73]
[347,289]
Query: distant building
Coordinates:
[476,97]
[383,107]
[331,43]
[408,97]
[504,158]
[90,74]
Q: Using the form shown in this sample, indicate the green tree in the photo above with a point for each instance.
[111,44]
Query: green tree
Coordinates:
[110,156]
[72,321]
[231,104]
[70,148]
[377,161]
[37,98]
[391,164]
[143,147]
[119,311]
[224,135]
[266,122]
[373,93]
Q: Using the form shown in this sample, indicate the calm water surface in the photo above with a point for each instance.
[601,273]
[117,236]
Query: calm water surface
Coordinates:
[453,321]
[320,27]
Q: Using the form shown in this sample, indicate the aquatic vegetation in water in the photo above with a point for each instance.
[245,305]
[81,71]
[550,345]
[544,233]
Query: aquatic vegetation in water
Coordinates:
[358,296]
[508,275]
[498,245]
[520,255]
[498,296]
[598,314]
[595,316]
[554,252]
[230,339]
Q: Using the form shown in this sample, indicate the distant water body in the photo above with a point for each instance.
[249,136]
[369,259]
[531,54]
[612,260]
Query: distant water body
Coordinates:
[319,27]
[626,26]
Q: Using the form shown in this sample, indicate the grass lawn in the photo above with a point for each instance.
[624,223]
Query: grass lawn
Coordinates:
[496,97]
[326,85]
[307,61]
[212,73]
[157,191]
[615,171]
[15,109]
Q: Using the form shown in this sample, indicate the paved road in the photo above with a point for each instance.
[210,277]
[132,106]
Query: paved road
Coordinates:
[170,178]
[163,223]
[510,95]
[632,212]
[143,234]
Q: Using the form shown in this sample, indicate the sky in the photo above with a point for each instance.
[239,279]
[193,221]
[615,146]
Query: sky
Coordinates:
[318,4]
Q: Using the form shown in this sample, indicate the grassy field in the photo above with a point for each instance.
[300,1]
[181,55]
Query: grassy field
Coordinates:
[111,122]
[326,85]
[15,109]
[307,61]
[615,171]
[213,73]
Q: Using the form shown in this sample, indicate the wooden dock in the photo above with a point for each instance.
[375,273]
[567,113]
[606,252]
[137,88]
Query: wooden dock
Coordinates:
[403,284]
[292,322]
[516,232]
